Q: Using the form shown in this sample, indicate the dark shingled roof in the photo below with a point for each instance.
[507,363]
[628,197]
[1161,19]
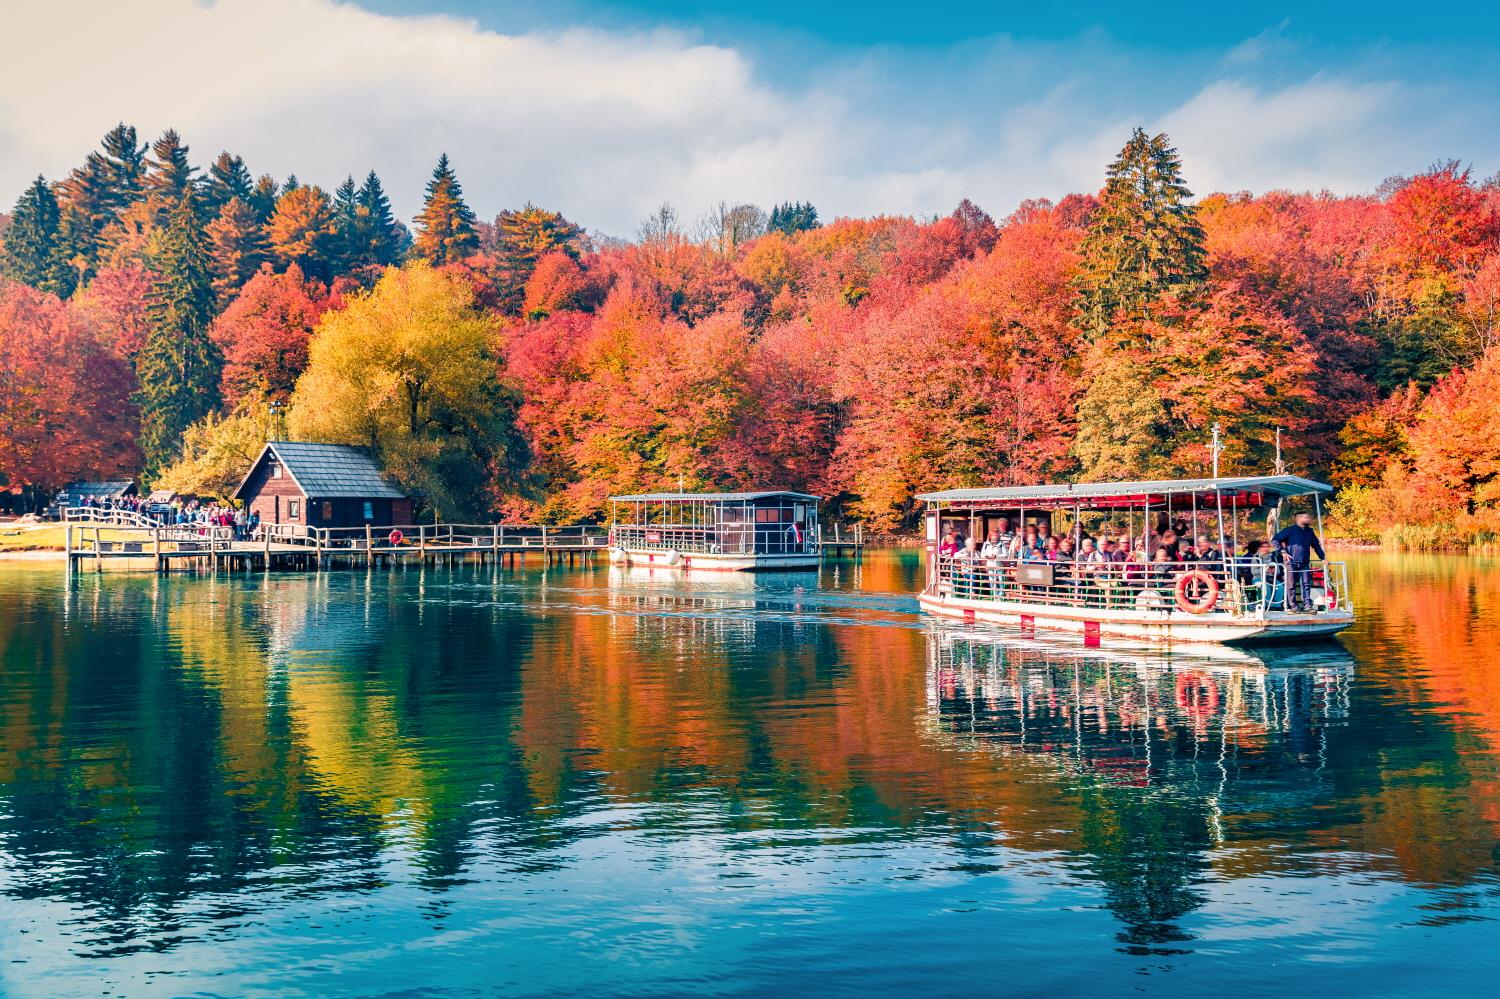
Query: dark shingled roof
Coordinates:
[330,471]
[113,487]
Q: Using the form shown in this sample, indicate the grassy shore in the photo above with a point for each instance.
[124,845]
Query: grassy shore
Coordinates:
[16,539]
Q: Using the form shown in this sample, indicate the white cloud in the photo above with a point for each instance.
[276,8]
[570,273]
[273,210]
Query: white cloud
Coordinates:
[606,125]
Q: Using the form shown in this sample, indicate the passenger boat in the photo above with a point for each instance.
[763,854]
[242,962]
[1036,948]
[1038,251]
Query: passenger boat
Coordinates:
[1224,597]
[727,531]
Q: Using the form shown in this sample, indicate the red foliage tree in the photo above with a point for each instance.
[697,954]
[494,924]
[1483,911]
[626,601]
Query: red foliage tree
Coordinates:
[265,331]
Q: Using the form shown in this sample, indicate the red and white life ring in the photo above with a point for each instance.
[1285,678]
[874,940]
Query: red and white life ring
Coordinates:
[395,538]
[1206,600]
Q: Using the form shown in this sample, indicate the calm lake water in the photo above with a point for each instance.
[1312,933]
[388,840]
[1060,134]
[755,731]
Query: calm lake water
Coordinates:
[471,781]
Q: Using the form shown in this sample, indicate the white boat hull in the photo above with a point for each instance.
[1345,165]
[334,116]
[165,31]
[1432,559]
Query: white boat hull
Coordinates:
[1153,627]
[662,558]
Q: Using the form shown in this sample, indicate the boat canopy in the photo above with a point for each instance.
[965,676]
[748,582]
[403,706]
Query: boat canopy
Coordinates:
[1254,490]
[712,497]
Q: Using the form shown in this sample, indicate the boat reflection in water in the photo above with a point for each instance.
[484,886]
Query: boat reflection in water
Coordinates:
[1169,758]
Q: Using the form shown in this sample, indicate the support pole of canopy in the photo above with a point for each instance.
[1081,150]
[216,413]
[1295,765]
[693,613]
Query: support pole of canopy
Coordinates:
[1219,502]
[1195,521]
[1318,508]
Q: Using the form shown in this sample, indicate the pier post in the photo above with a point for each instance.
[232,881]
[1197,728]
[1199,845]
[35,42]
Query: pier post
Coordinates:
[370,546]
[495,542]
[422,543]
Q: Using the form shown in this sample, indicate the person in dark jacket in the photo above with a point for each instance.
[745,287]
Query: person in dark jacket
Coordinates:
[1299,541]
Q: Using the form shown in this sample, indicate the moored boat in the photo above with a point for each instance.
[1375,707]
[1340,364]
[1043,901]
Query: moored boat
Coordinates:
[745,531]
[1186,578]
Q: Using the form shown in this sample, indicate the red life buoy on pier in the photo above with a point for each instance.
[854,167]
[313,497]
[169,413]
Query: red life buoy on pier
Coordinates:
[395,538]
[1207,588]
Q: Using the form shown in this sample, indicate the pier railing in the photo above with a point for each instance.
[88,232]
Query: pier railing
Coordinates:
[435,537]
[1244,586]
[114,516]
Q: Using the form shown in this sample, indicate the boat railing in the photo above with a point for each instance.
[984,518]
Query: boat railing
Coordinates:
[736,539]
[1245,586]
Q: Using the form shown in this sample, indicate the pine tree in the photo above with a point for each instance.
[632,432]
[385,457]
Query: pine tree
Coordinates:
[31,253]
[792,217]
[120,169]
[178,368]
[524,237]
[236,248]
[382,235]
[262,200]
[346,227]
[302,231]
[1144,239]
[227,179]
[169,175]
[446,225]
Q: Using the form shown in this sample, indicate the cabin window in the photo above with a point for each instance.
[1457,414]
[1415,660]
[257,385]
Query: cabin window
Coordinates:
[293,509]
[369,510]
[275,470]
[327,511]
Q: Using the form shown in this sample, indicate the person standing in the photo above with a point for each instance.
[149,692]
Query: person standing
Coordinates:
[1299,541]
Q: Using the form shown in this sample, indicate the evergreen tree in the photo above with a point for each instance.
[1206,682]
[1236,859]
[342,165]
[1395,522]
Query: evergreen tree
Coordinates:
[236,248]
[31,253]
[302,232]
[227,179]
[346,227]
[77,249]
[120,170]
[792,217]
[81,200]
[382,237]
[178,368]
[169,175]
[522,238]
[1144,239]
[446,225]
[263,198]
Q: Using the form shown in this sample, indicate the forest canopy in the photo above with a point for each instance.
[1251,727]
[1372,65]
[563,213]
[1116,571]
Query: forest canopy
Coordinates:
[152,313]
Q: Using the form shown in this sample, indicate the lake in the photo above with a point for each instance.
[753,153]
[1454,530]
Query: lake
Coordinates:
[476,781]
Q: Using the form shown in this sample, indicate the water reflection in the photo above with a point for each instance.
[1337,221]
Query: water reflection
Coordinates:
[184,760]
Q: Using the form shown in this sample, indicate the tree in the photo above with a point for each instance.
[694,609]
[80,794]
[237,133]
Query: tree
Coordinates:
[1144,238]
[445,226]
[262,200]
[724,229]
[169,175]
[121,170]
[227,179]
[1455,441]
[381,237]
[263,334]
[411,370]
[236,248]
[216,451]
[523,237]
[178,367]
[32,253]
[792,217]
[302,231]
[65,410]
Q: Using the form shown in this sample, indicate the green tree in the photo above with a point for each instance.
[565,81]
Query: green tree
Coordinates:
[121,169]
[382,238]
[1144,238]
[178,368]
[263,198]
[791,217]
[1122,421]
[32,253]
[227,179]
[412,370]
[445,226]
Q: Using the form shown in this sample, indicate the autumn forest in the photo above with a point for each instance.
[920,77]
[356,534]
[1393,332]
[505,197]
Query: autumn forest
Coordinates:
[161,319]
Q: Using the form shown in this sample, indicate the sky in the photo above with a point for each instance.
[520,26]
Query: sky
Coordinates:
[605,109]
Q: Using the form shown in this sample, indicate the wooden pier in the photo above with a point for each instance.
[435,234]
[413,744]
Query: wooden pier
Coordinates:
[196,547]
[274,547]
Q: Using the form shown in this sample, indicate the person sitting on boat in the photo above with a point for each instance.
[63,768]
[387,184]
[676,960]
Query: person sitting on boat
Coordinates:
[1171,543]
[950,545]
[1299,541]
[996,547]
[1004,535]
[965,568]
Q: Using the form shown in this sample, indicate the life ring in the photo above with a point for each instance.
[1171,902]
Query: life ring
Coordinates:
[1149,600]
[673,557]
[1204,603]
[395,538]
[1197,695]
[618,555]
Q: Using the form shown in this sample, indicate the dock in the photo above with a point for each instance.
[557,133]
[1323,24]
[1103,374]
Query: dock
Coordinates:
[196,547]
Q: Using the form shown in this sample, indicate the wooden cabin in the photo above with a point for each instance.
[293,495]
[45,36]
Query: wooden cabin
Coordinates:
[321,485]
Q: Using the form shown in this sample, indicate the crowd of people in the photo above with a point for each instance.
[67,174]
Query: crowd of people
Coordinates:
[1154,560]
[194,514]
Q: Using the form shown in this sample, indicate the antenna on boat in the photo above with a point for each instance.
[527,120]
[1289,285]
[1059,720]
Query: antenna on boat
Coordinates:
[1216,448]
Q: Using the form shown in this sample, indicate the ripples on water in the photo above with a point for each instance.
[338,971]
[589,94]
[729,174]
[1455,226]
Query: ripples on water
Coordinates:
[607,782]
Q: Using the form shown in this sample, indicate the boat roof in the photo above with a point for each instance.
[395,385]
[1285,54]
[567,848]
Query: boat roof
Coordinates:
[1141,491]
[711,497]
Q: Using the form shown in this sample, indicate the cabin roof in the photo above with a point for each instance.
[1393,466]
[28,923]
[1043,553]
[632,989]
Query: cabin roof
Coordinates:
[327,471]
[1278,485]
[111,487]
[711,497]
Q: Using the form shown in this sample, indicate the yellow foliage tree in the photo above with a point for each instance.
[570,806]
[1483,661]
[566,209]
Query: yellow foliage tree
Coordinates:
[412,371]
[217,451]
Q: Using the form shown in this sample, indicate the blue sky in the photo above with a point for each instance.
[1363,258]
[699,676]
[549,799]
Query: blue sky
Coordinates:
[606,109]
